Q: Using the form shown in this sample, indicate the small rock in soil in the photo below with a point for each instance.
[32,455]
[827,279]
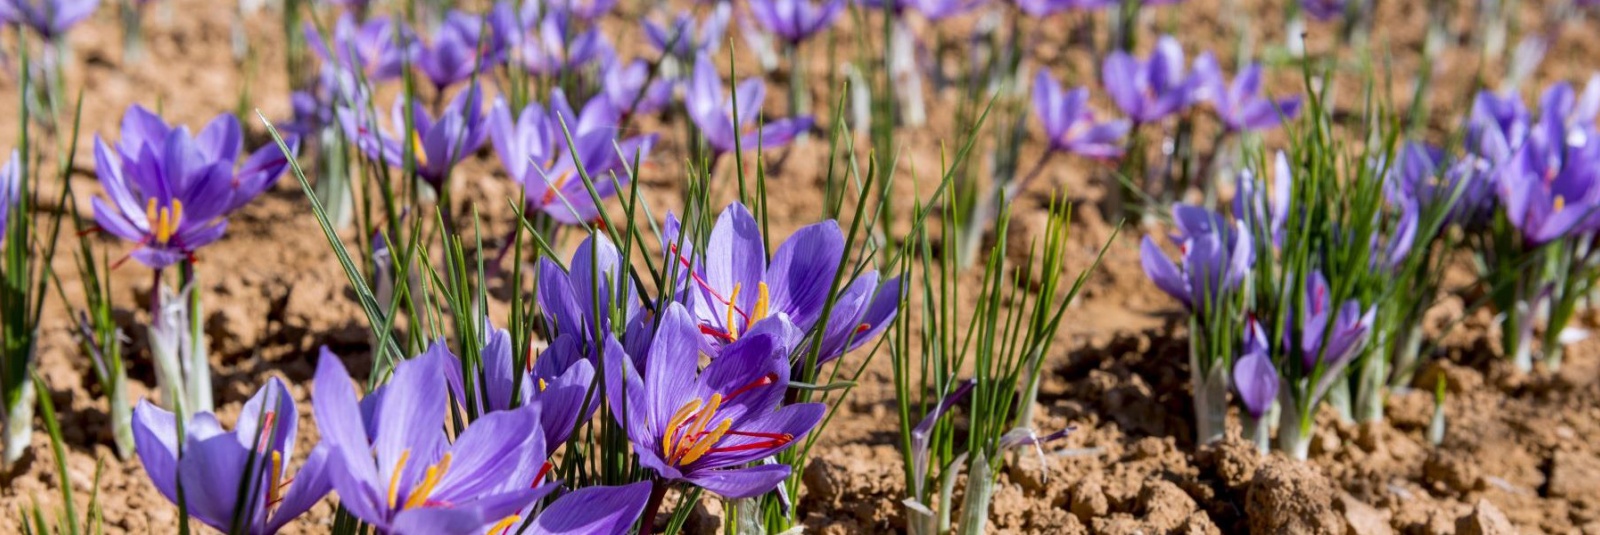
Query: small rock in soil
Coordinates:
[1451,470]
[1200,524]
[1575,475]
[1088,499]
[1164,506]
[1484,519]
[1363,519]
[1233,461]
[1288,496]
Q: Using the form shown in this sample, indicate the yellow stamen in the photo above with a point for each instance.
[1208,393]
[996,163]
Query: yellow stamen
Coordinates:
[1561,202]
[733,303]
[678,418]
[150,211]
[702,446]
[273,490]
[504,525]
[164,226]
[542,385]
[394,479]
[703,418]
[763,300]
[416,149]
[430,479]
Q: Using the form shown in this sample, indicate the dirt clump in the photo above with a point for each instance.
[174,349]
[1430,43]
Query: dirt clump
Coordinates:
[1287,496]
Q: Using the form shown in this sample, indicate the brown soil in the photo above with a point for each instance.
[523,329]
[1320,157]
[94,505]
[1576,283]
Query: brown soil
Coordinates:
[1518,454]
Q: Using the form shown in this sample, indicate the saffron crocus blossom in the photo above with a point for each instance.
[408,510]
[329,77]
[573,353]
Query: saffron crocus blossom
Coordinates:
[733,288]
[1251,204]
[630,87]
[1253,374]
[1323,9]
[1423,176]
[1574,111]
[458,50]
[1330,345]
[1217,256]
[435,144]
[681,38]
[216,467]
[169,191]
[1070,124]
[10,189]
[593,511]
[1149,90]
[576,299]
[1240,105]
[795,20]
[553,44]
[377,47]
[1548,196]
[557,380]
[51,19]
[933,10]
[714,113]
[705,426]
[395,468]
[536,153]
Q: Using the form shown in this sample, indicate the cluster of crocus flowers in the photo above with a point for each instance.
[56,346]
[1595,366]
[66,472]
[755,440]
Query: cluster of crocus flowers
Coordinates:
[1239,104]
[169,191]
[543,148]
[1151,89]
[733,123]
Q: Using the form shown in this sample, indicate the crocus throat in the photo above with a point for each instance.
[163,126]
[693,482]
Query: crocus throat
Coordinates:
[550,193]
[164,220]
[688,440]
[419,495]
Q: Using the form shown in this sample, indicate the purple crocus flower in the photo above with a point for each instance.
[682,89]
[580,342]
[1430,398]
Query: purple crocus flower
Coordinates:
[1070,124]
[458,50]
[435,144]
[1253,374]
[217,467]
[1550,186]
[373,47]
[50,19]
[1423,176]
[795,20]
[10,189]
[630,88]
[1149,90]
[537,155]
[733,289]
[714,113]
[586,10]
[593,511]
[169,191]
[553,44]
[557,380]
[1318,342]
[1251,204]
[933,10]
[1216,258]
[705,426]
[395,468]
[680,39]
[574,300]
[1323,9]
[1240,104]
